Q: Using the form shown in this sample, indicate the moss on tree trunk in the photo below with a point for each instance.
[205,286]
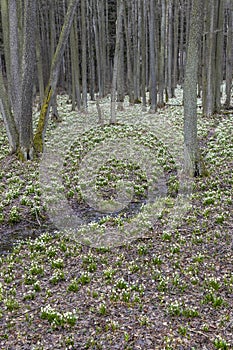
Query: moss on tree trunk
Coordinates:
[38,140]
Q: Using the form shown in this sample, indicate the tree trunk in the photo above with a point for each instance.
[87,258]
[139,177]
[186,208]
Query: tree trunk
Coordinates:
[128,55]
[181,45]
[175,47]
[6,42]
[28,75]
[161,55]
[153,87]
[170,43]
[75,71]
[40,75]
[219,54]
[120,75]
[116,58]
[229,58]
[84,55]
[209,65]
[191,151]
[8,118]
[143,54]
[15,72]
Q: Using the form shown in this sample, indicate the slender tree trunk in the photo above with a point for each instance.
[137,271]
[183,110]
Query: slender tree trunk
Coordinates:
[75,71]
[175,47]
[229,58]
[90,45]
[120,76]
[8,118]
[181,46]
[6,42]
[116,58]
[143,55]
[84,55]
[136,50]
[128,54]
[191,151]
[97,51]
[15,71]
[209,66]
[102,43]
[39,67]
[55,114]
[28,75]
[153,86]
[170,49]
[161,102]
[219,54]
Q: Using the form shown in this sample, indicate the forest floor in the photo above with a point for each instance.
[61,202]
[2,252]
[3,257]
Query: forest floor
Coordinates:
[168,287]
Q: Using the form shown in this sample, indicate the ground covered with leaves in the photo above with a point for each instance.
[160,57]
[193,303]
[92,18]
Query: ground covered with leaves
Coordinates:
[169,289]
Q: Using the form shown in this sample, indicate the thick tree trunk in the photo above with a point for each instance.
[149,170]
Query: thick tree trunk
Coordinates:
[16,104]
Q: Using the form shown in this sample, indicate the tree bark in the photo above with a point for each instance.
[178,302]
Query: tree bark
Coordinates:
[229,58]
[28,75]
[15,71]
[8,118]
[191,151]
[143,54]
[209,65]
[128,56]
[153,86]
[116,58]
[161,77]
[84,55]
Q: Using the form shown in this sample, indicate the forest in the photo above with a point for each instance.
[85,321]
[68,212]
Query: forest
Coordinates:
[116,157]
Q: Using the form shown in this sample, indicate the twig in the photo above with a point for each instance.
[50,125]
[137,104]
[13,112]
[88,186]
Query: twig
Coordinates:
[37,218]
